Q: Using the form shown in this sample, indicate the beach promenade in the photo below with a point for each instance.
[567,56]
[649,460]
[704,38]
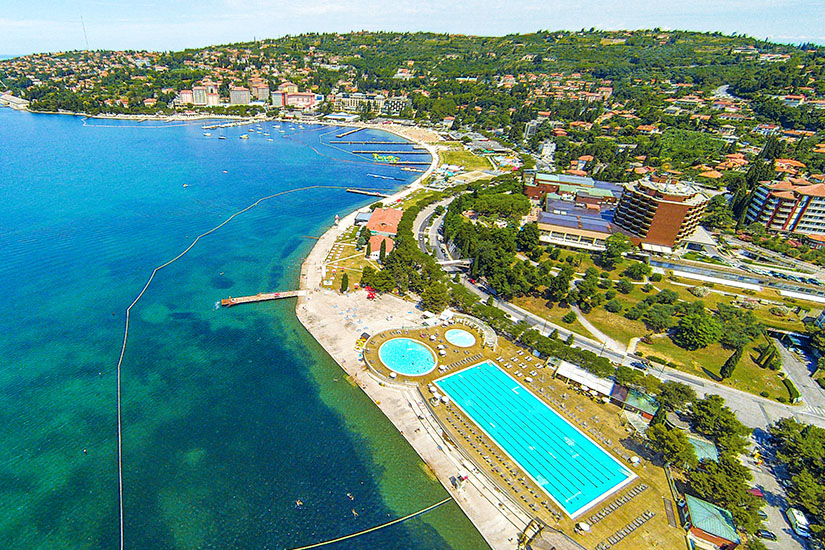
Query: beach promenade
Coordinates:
[497,519]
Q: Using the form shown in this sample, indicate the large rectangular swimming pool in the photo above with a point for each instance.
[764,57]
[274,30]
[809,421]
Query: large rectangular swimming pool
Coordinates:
[568,465]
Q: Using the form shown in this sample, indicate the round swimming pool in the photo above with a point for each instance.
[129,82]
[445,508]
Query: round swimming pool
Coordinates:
[460,337]
[407,357]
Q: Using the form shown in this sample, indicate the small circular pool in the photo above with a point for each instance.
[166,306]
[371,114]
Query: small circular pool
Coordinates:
[460,337]
[407,357]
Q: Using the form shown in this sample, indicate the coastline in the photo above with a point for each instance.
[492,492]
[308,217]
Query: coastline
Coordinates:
[493,515]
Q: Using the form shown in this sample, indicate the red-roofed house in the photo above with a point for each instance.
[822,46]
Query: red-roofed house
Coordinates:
[384,221]
[375,246]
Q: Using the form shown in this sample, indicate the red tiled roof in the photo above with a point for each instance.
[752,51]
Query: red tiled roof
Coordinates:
[385,220]
[376,240]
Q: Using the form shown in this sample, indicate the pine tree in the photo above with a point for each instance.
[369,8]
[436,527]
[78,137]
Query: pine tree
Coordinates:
[730,364]
[369,250]
[344,282]
[382,252]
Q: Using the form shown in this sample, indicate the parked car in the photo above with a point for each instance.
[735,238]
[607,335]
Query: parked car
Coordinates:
[765,534]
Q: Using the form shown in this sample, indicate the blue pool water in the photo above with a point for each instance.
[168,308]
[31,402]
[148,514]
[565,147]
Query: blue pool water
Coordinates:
[571,468]
[460,337]
[407,357]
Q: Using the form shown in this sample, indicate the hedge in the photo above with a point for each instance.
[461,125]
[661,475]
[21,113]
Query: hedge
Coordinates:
[792,391]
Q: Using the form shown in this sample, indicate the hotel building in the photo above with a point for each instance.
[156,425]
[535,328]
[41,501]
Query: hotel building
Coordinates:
[658,214]
[238,95]
[789,208]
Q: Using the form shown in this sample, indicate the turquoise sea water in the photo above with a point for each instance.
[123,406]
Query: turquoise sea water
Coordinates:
[229,416]
[573,470]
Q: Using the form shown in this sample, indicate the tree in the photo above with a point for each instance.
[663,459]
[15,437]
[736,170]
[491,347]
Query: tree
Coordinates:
[672,444]
[637,271]
[696,330]
[675,396]
[528,238]
[369,250]
[382,252]
[624,286]
[367,276]
[559,286]
[569,317]
[726,483]
[729,366]
[435,297]
[570,339]
[658,317]
[615,245]
[613,306]
[344,282]
[712,418]
[741,326]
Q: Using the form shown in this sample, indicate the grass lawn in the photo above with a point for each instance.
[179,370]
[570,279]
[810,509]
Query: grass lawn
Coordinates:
[466,159]
[537,306]
[344,258]
[616,325]
[707,362]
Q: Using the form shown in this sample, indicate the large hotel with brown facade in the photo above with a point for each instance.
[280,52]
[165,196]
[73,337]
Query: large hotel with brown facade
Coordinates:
[659,212]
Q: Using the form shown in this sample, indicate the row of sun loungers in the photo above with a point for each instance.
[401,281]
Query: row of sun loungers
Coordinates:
[625,531]
[465,361]
[616,504]
[496,461]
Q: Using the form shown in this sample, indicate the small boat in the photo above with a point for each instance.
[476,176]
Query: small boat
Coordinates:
[207,134]
[299,503]
[354,513]
[270,139]
[185,185]
[221,137]
[245,136]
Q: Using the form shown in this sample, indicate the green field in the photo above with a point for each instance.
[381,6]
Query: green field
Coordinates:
[466,159]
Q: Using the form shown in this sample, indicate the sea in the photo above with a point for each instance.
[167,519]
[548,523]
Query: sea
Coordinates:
[230,416]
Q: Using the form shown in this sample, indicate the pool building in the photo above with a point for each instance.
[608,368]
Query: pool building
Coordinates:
[572,469]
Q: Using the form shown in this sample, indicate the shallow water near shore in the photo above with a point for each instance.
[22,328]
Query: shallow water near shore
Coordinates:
[229,416]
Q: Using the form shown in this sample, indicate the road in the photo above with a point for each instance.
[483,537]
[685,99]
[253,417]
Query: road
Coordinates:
[775,501]
[799,369]
[752,410]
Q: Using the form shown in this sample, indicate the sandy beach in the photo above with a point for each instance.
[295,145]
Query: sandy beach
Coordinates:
[321,312]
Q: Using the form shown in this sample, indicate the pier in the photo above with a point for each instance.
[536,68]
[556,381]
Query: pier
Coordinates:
[404,163]
[261,297]
[370,193]
[392,152]
[371,143]
[345,134]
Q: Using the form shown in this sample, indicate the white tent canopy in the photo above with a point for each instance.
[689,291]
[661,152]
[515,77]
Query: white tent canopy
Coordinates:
[586,379]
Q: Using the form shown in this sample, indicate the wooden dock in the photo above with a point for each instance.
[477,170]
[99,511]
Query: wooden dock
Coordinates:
[368,143]
[345,134]
[392,152]
[363,192]
[261,297]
